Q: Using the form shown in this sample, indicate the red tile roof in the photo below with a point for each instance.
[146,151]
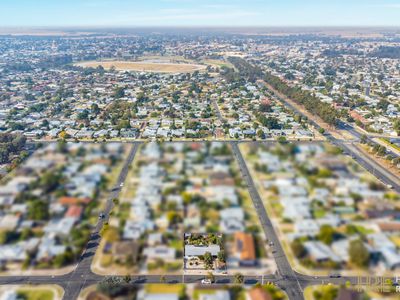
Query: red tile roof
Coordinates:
[73,200]
[74,211]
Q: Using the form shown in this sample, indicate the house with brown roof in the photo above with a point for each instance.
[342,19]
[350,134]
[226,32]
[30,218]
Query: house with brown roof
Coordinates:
[221,178]
[244,249]
[347,294]
[259,294]
[124,250]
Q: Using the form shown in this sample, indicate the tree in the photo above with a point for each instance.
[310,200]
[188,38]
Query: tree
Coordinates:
[50,181]
[298,249]
[359,254]
[83,115]
[270,122]
[62,144]
[173,218]
[238,278]
[221,256]
[265,107]
[95,109]
[10,145]
[326,234]
[64,259]
[119,92]
[187,198]
[396,126]
[381,150]
[111,286]
[363,139]
[282,140]
[312,103]
[38,210]
[210,276]
[208,260]
[326,293]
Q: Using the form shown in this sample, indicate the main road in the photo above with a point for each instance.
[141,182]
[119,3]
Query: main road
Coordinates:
[286,276]
[366,162]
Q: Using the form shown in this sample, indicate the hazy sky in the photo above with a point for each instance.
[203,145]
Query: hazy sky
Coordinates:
[199,12]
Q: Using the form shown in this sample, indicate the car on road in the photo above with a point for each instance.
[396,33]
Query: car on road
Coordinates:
[335,275]
[271,244]
[102,216]
[121,184]
[206,281]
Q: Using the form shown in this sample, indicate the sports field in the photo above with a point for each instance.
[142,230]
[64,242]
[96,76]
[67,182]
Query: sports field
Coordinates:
[143,66]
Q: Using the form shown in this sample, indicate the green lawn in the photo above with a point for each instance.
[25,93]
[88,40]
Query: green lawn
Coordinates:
[387,142]
[197,293]
[364,230]
[319,213]
[176,244]
[164,288]
[36,294]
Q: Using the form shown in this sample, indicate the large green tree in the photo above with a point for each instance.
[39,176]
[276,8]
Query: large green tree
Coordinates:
[38,210]
[359,254]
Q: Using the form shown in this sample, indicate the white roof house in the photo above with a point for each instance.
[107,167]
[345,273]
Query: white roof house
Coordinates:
[218,295]
[60,226]
[9,294]
[231,225]
[49,249]
[321,252]
[12,253]
[193,250]
[306,227]
[220,193]
[391,258]
[134,229]
[296,207]
[161,252]
[232,212]
[9,222]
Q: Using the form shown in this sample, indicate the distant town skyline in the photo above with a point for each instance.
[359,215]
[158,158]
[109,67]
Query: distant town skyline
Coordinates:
[116,13]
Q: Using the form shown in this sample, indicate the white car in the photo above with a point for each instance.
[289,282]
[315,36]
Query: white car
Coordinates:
[122,184]
[206,281]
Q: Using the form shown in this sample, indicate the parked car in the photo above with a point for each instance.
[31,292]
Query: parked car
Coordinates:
[206,281]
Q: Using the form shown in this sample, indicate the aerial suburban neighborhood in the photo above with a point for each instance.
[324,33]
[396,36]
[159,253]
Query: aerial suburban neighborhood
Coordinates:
[205,161]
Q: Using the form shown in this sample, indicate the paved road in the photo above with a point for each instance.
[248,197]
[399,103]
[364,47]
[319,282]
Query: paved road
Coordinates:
[217,111]
[82,274]
[385,176]
[288,279]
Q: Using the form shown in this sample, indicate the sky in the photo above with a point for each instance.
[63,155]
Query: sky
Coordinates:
[226,13]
